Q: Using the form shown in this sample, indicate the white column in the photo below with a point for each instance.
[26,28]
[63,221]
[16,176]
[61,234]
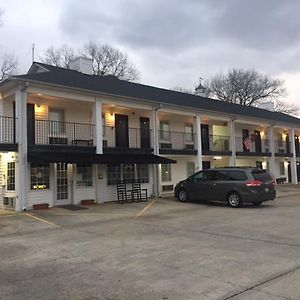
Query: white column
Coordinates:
[232,160]
[155,141]
[98,126]
[294,158]
[198,141]
[272,150]
[21,159]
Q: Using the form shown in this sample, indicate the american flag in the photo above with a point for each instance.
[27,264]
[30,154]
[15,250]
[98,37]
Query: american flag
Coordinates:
[248,143]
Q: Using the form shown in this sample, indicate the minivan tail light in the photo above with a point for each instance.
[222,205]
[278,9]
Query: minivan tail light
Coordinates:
[254,183]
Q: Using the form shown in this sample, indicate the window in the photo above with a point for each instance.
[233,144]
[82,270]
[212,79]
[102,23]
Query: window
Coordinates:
[39,176]
[103,126]
[57,118]
[113,174]
[202,176]
[220,176]
[188,133]
[164,128]
[236,175]
[128,173]
[11,176]
[84,175]
[281,168]
[143,173]
[166,172]
[190,168]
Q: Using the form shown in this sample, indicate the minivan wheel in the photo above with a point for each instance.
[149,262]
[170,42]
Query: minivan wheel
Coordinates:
[234,200]
[183,196]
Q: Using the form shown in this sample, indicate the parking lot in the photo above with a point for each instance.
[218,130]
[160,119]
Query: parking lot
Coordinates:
[162,249]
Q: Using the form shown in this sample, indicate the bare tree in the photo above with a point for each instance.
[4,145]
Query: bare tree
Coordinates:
[287,108]
[60,57]
[8,66]
[110,61]
[245,87]
[248,87]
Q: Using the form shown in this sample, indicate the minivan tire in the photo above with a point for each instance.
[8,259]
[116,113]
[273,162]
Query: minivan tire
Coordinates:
[234,199]
[183,195]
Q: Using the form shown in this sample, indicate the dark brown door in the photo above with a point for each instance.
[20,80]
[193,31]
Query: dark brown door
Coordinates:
[205,137]
[30,124]
[257,141]
[287,144]
[297,145]
[205,165]
[289,172]
[298,171]
[245,134]
[121,125]
[145,132]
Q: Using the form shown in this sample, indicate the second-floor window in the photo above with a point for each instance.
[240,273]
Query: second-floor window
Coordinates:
[188,133]
[164,129]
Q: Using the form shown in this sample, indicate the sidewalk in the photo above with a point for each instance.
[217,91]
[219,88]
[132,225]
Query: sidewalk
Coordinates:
[284,190]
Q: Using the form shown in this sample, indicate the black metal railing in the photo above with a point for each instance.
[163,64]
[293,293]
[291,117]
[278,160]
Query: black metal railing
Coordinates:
[127,138]
[176,140]
[63,133]
[7,130]
[282,146]
[219,143]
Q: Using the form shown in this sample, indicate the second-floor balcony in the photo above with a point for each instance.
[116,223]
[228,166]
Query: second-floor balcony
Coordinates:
[217,143]
[282,148]
[7,130]
[176,142]
[53,133]
[247,146]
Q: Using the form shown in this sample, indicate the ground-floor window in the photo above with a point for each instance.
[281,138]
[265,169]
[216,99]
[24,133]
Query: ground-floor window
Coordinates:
[281,168]
[190,168]
[84,176]
[39,175]
[143,173]
[166,172]
[11,176]
[126,172]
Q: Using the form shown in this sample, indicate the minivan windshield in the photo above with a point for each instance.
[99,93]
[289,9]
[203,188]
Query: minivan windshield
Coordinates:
[261,175]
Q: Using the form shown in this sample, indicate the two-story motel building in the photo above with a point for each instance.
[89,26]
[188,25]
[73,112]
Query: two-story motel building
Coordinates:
[67,136]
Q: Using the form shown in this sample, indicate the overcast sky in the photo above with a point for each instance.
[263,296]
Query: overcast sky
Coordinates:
[171,42]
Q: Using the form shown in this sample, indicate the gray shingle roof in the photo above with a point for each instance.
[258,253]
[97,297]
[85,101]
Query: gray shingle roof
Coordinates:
[114,86]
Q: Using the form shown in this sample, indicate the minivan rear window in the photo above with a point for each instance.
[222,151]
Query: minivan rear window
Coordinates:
[263,176]
[237,175]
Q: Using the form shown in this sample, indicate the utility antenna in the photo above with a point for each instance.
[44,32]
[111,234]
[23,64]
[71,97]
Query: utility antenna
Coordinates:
[32,52]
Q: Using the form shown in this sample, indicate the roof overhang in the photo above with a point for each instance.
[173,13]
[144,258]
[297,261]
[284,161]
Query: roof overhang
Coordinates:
[93,158]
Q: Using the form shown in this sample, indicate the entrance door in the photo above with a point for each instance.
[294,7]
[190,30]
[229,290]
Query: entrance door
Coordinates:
[63,190]
[145,132]
[205,165]
[205,137]
[297,145]
[121,125]
[289,169]
[245,134]
[298,171]
[287,144]
[257,141]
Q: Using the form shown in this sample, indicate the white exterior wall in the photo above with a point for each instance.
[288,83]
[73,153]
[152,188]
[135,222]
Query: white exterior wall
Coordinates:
[108,193]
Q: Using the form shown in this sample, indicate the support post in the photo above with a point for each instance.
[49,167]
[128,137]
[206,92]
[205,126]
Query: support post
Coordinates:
[98,126]
[272,150]
[155,138]
[21,157]
[294,158]
[232,159]
[198,143]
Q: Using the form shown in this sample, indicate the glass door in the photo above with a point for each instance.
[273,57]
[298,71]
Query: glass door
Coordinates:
[62,184]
